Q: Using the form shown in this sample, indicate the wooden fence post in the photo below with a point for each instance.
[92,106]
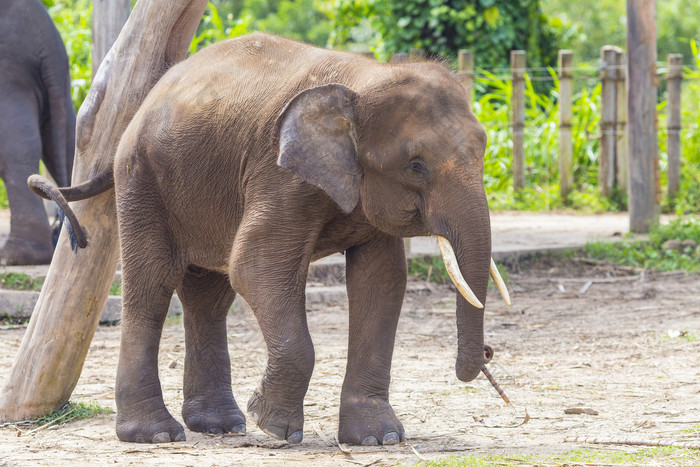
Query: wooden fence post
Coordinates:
[608,114]
[416,54]
[621,121]
[399,58]
[566,149]
[517,64]
[51,356]
[641,114]
[465,66]
[675,79]
[108,18]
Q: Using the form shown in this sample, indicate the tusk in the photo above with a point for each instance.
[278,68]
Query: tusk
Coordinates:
[500,285]
[448,256]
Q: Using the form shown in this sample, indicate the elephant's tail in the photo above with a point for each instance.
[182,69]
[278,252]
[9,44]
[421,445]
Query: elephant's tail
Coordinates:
[61,196]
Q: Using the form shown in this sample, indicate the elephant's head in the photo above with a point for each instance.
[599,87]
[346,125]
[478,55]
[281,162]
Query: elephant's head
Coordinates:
[408,151]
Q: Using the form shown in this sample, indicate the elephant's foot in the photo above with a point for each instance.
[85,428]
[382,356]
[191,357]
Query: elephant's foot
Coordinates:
[18,253]
[368,421]
[283,423]
[216,413]
[156,426]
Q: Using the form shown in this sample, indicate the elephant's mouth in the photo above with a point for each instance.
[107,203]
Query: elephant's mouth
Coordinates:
[450,260]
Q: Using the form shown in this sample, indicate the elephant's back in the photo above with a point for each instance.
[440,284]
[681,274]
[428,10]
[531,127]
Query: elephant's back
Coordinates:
[219,107]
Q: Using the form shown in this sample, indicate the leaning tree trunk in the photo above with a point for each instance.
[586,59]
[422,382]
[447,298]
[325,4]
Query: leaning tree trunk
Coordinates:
[51,356]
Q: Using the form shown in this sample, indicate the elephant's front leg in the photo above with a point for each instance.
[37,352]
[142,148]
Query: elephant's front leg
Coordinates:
[376,282]
[269,268]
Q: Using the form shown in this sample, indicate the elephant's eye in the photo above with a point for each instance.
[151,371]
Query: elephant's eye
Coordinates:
[417,167]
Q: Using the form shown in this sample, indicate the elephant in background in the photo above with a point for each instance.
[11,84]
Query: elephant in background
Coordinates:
[37,123]
[248,161]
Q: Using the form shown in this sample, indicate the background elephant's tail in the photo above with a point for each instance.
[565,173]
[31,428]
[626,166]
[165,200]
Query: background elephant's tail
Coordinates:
[61,196]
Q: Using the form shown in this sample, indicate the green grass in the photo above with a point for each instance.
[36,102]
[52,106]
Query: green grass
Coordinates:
[651,254]
[654,456]
[116,289]
[20,281]
[72,412]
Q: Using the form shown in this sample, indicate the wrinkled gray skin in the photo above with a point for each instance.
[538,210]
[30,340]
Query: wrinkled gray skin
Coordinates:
[245,163]
[37,122]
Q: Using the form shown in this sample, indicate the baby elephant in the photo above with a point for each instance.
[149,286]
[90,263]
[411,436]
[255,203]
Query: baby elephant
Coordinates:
[245,163]
[37,122]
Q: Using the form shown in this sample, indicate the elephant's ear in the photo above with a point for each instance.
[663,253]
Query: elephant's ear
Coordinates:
[316,134]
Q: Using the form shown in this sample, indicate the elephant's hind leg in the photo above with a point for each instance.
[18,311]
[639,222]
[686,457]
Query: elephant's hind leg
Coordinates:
[151,272]
[209,405]
[20,149]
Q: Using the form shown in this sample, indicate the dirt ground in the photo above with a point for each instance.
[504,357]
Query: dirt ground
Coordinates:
[626,346]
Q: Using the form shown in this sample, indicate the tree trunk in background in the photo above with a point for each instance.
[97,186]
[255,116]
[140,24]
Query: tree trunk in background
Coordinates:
[108,18]
[51,356]
[643,160]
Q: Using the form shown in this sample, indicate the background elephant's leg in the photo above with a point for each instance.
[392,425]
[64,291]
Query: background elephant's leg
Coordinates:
[376,282]
[150,275]
[209,405]
[268,268]
[30,234]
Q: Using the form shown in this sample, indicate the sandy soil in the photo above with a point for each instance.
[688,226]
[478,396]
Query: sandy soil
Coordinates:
[627,348]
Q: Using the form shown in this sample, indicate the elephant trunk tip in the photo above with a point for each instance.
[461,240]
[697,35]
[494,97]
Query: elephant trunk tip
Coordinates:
[467,371]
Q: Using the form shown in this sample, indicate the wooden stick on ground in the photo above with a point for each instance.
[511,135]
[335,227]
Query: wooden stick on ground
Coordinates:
[50,358]
[630,442]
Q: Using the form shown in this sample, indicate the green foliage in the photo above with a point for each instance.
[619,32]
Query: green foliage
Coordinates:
[652,254]
[73,19]
[20,281]
[305,20]
[688,196]
[655,456]
[592,25]
[490,28]
[72,412]
[116,289]
[429,268]
[541,192]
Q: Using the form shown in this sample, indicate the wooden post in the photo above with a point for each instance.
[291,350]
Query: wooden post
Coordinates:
[517,65]
[465,73]
[399,58]
[108,18]
[50,358]
[675,79]
[621,121]
[566,148]
[608,143]
[643,167]
[416,54]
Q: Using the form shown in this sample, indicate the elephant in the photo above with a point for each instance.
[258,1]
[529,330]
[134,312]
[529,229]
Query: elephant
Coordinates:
[245,163]
[38,122]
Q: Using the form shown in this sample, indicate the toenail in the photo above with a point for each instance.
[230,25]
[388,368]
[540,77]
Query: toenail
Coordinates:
[295,438]
[391,438]
[162,437]
[180,437]
[139,439]
[370,441]
[215,430]
[238,429]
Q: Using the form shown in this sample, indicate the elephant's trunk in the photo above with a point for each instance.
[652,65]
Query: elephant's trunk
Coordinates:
[472,248]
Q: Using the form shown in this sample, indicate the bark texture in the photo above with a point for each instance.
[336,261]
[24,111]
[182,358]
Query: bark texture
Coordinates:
[51,356]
